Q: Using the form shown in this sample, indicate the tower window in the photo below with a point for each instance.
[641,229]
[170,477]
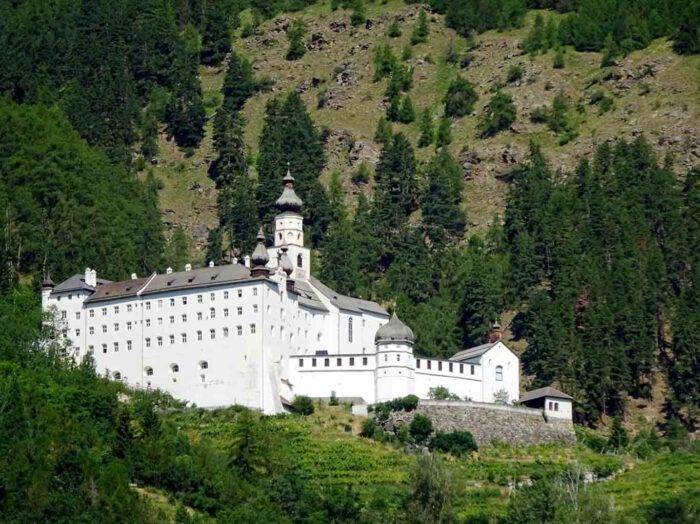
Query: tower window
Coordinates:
[499,372]
[300,260]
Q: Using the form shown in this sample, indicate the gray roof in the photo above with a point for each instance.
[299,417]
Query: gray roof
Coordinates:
[394,330]
[548,391]
[472,353]
[201,277]
[77,283]
[355,305]
[307,297]
[260,255]
[114,290]
[288,200]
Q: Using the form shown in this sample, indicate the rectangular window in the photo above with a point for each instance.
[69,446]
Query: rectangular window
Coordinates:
[184,337]
[199,299]
[148,322]
[104,311]
[63,315]
[350,330]
[128,345]
[313,362]
[550,407]
[212,313]
[148,306]
[212,296]
[240,293]
[225,311]
[225,332]
[212,334]
[184,318]
[461,369]
[364,361]
[77,316]
[439,366]
[116,327]
[398,357]
[255,292]
[556,406]
[104,328]
[339,362]
[116,310]
[160,341]
[252,328]
[148,342]
[172,302]
[417,363]
[471,369]
[255,308]
[160,304]
[184,301]
[430,364]
[128,326]
[172,319]
[199,335]
[301,362]
[104,348]
[239,330]
[199,315]
[77,332]
[450,365]
[91,349]
[116,347]
[225,295]
[92,313]
[172,339]
[128,308]
[239,310]
[91,330]
[352,361]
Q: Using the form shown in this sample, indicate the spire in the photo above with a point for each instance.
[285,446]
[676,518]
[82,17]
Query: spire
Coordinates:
[48,283]
[260,256]
[285,263]
[289,201]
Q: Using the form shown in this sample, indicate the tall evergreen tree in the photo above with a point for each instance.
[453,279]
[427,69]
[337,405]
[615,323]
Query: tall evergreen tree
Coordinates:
[216,37]
[443,216]
[239,83]
[184,114]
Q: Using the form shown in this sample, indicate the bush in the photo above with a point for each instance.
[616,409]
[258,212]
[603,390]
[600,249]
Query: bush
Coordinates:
[457,443]
[499,115]
[515,73]
[442,393]
[303,405]
[558,60]
[333,401]
[394,31]
[361,176]
[369,428]
[409,402]
[421,428]
[460,98]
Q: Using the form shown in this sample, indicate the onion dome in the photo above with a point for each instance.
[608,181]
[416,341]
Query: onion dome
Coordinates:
[288,200]
[285,262]
[47,281]
[260,256]
[394,331]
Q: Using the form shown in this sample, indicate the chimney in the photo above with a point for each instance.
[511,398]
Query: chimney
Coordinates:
[168,271]
[133,276]
[496,333]
[188,267]
[211,263]
[90,277]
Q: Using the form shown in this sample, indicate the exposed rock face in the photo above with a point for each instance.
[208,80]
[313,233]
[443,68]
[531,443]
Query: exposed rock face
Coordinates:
[490,422]
[362,151]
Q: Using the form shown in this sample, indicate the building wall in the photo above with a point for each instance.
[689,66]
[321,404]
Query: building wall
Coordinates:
[558,408]
[500,355]
[455,376]
[328,375]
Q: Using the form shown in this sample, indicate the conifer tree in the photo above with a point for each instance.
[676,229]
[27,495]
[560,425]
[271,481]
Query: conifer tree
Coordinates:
[427,131]
[383,134]
[498,115]
[443,216]
[393,31]
[406,113]
[239,83]
[536,38]
[214,246]
[184,113]
[216,38]
[460,98]
[178,250]
[297,46]
[420,32]
[444,133]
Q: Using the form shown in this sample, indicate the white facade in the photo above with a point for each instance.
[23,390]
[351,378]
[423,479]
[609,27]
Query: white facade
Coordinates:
[232,334]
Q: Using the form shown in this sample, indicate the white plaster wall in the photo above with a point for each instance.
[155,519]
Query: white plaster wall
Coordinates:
[500,355]
[64,307]
[344,379]
[395,371]
[459,381]
[565,408]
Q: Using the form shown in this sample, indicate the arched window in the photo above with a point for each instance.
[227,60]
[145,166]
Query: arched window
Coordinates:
[203,365]
[499,372]
[300,260]
[149,371]
[174,368]
[116,375]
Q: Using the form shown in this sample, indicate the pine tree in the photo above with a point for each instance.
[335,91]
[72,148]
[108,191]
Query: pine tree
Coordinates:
[427,132]
[393,111]
[406,113]
[460,98]
[420,33]
[444,133]
[536,38]
[184,113]
[383,134]
[215,240]
[359,14]
[178,250]
[239,83]
[443,216]
[238,214]
[216,38]
[297,46]
[498,115]
[393,31]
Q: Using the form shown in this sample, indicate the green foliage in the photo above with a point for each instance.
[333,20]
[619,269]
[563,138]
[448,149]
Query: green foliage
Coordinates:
[394,30]
[239,82]
[421,428]
[184,113]
[498,115]
[383,134]
[427,131]
[384,61]
[515,73]
[444,132]
[618,439]
[467,16]
[420,32]
[431,492]
[457,443]
[216,37]
[297,46]
[178,250]
[361,175]
[303,405]
[441,393]
[358,15]
[406,113]
[460,98]
[558,62]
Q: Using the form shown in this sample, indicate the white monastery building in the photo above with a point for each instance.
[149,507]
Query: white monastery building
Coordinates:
[260,333]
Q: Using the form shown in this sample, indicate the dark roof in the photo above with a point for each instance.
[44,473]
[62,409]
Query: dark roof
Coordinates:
[306,296]
[355,305]
[548,391]
[289,201]
[201,277]
[113,290]
[394,330]
[472,353]
[77,283]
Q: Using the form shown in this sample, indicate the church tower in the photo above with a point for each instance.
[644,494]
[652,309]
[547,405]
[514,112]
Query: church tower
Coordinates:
[394,373]
[289,231]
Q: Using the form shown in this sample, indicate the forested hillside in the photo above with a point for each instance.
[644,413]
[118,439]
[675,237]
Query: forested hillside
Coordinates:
[461,161]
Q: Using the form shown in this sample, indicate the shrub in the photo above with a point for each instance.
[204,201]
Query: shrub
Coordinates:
[303,405]
[515,73]
[394,31]
[499,115]
[361,176]
[410,402]
[457,443]
[358,16]
[442,393]
[333,401]
[539,115]
[618,438]
[558,62]
[460,98]
[421,428]
[297,47]
[420,33]
[369,428]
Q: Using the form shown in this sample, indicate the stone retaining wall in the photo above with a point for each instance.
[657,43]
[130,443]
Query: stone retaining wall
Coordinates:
[491,422]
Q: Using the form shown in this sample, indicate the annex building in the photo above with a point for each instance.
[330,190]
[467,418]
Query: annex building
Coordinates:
[260,332]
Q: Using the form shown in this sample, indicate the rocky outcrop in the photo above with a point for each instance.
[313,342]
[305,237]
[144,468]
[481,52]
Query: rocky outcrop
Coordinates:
[490,422]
